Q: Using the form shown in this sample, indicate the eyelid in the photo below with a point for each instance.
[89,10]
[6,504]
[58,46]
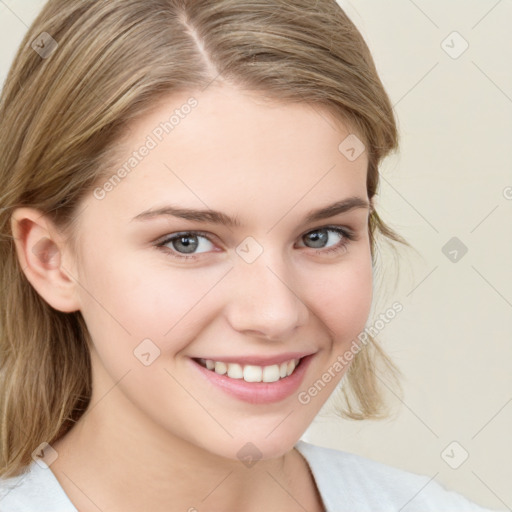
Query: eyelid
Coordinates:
[335,227]
[211,237]
[176,234]
[349,235]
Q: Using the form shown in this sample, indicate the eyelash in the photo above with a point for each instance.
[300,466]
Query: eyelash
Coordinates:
[348,236]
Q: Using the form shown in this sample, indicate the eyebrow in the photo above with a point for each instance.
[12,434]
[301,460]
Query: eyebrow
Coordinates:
[216,217]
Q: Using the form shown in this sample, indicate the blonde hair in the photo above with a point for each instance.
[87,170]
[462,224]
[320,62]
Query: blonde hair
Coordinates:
[61,115]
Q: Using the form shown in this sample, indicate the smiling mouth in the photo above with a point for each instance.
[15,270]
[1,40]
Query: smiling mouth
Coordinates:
[249,372]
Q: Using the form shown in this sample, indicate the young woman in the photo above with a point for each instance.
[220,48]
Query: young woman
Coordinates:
[189,233]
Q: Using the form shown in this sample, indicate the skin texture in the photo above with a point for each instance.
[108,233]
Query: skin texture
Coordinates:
[157,437]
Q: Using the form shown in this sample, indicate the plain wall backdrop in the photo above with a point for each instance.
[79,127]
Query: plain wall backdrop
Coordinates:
[447,66]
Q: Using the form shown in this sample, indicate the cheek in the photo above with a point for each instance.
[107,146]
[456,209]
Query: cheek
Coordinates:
[128,301]
[343,301]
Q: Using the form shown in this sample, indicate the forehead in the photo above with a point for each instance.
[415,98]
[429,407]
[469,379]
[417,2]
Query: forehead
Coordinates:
[237,152]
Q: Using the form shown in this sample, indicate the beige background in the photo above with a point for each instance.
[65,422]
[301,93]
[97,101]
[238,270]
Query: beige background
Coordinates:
[452,340]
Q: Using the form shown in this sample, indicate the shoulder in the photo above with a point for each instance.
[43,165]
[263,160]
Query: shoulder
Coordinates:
[353,482]
[35,490]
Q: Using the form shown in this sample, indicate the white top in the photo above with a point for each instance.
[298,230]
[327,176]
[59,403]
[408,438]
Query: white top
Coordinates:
[347,483]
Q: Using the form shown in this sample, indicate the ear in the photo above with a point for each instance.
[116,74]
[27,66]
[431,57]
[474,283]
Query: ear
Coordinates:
[43,258]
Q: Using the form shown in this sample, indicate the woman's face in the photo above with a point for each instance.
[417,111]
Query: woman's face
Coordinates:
[274,285]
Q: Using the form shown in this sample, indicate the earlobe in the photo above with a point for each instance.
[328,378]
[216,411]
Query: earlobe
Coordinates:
[40,252]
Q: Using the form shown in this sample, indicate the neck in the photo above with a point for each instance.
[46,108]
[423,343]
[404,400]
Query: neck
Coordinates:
[112,461]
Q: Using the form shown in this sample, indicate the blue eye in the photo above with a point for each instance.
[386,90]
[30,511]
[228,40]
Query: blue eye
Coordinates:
[322,235]
[185,244]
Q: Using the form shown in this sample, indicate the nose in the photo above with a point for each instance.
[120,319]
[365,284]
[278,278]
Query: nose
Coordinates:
[264,302]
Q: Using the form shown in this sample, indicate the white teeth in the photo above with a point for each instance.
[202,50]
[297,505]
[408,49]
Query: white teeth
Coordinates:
[271,373]
[291,366]
[252,373]
[220,368]
[235,371]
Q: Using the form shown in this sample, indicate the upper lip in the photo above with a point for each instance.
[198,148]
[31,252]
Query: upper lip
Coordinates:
[259,360]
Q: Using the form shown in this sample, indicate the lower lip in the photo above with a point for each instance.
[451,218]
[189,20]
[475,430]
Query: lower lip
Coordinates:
[258,392]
